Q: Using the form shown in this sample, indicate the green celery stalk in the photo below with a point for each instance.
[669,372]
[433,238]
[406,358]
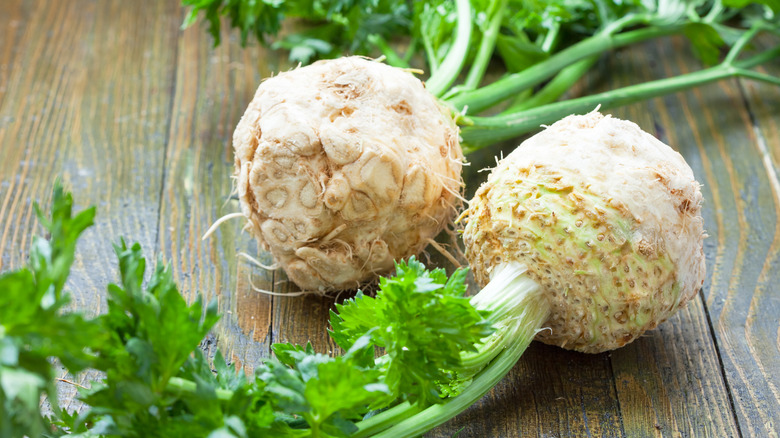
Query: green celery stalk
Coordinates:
[485,97]
[517,309]
[480,132]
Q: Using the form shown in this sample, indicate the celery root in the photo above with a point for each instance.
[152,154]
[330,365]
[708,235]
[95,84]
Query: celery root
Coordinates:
[344,166]
[607,220]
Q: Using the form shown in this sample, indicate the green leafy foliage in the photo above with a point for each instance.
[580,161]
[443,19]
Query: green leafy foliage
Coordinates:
[324,28]
[157,383]
[33,326]
[152,332]
[434,24]
[706,42]
[517,33]
[423,322]
[329,393]
[224,401]
[772,5]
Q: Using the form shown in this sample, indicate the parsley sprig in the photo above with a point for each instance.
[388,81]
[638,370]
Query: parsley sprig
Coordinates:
[33,327]
[156,382]
[423,322]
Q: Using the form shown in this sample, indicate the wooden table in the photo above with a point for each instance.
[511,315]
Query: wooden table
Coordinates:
[136,116]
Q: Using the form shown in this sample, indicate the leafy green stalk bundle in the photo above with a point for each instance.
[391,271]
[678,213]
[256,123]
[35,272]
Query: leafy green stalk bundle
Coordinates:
[443,351]
[544,47]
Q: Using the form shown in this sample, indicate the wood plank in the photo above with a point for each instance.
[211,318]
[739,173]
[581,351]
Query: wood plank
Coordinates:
[740,216]
[23,107]
[88,94]
[14,15]
[550,392]
[93,114]
[747,308]
[213,88]
[303,319]
[670,380]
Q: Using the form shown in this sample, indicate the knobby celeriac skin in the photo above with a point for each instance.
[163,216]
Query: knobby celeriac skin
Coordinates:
[607,219]
[344,166]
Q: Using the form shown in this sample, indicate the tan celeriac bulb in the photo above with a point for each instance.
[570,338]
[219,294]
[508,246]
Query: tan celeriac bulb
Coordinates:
[344,166]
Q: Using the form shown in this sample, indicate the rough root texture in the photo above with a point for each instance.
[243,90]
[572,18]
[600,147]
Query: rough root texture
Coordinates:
[344,166]
[608,220]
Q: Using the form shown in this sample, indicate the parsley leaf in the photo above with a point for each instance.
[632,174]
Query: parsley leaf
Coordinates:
[158,383]
[225,401]
[705,40]
[152,333]
[32,325]
[423,322]
[329,393]
[324,28]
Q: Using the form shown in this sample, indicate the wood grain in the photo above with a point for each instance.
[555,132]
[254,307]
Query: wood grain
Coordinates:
[671,379]
[136,116]
[550,392]
[741,216]
[752,323]
[88,93]
[213,87]
[94,115]
[14,15]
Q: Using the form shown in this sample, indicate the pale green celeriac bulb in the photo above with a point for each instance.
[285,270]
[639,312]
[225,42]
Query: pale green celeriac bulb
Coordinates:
[607,220]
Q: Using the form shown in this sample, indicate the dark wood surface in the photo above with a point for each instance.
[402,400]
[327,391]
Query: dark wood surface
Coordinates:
[136,116]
